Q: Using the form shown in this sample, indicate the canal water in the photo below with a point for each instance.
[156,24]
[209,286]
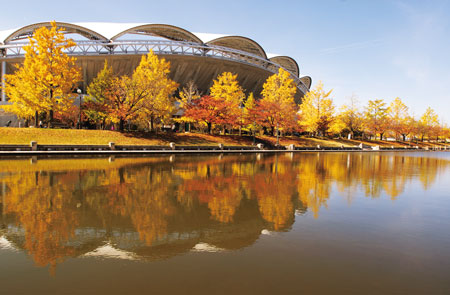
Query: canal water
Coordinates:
[303,223]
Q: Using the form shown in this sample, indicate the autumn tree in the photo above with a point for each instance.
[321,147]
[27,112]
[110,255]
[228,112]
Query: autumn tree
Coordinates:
[376,117]
[276,116]
[122,106]
[351,117]
[317,110]
[279,88]
[226,87]
[250,117]
[108,96]
[47,78]
[401,123]
[151,80]
[187,94]
[337,126]
[97,104]
[277,108]
[428,121]
[210,110]
[146,95]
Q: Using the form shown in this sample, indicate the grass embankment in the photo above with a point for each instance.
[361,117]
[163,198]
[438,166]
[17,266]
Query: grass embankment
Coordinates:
[103,137]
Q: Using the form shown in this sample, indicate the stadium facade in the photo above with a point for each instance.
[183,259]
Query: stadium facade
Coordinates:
[198,57]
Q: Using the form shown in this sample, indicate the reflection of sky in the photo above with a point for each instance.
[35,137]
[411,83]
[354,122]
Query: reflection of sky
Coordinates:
[5,244]
[109,251]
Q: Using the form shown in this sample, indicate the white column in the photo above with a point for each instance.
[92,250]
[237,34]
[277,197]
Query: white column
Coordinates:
[3,81]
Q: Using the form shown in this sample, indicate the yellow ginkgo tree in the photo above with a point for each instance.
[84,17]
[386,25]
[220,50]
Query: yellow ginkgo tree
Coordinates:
[44,83]
[376,117]
[317,110]
[226,89]
[145,96]
[151,82]
[277,109]
[428,122]
[400,120]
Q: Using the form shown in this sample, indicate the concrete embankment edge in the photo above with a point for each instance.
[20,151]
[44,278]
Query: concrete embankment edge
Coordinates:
[154,152]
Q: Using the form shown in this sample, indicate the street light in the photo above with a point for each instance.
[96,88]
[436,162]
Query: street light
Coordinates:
[79,118]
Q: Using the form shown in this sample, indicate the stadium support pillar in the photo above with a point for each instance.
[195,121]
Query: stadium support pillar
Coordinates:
[3,98]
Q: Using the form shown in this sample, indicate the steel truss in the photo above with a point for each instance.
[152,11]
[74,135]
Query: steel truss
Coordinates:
[14,50]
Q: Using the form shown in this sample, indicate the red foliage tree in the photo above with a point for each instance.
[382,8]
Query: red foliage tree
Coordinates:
[274,114]
[211,111]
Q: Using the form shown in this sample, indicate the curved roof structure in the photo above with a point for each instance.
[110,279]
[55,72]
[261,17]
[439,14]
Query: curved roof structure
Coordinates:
[112,31]
[239,43]
[288,63]
[183,48]
[307,81]
[68,28]
[165,31]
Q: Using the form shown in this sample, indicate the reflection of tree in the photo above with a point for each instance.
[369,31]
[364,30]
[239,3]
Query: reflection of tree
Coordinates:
[274,194]
[313,182]
[47,213]
[156,197]
[429,171]
[223,185]
[222,194]
[139,194]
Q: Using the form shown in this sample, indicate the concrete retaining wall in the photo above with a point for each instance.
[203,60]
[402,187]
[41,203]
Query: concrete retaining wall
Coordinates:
[35,148]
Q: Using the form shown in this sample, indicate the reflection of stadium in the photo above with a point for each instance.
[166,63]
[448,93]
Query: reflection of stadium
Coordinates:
[194,56]
[173,210]
[53,209]
[125,243]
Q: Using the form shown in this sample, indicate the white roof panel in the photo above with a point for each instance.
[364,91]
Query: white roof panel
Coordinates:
[4,34]
[109,30]
[206,37]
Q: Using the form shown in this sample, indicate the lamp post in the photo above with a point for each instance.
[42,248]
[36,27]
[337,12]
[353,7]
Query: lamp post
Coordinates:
[79,117]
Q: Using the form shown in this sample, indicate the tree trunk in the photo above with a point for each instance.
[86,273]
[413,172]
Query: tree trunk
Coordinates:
[209,127]
[121,125]
[50,115]
[36,120]
[50,119]
[404,137]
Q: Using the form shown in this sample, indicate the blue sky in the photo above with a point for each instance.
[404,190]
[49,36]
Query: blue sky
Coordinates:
[373,49]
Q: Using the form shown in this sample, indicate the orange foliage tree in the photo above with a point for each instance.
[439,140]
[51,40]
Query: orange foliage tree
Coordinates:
[211,110]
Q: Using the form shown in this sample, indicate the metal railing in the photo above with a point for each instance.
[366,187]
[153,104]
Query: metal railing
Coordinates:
[160,47]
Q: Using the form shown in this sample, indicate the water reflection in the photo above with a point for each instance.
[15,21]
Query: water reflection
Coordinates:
[155,208]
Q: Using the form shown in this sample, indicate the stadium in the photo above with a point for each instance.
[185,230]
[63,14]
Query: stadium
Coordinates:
[198,57]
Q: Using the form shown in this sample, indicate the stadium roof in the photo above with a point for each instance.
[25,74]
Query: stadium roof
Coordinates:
[109,32]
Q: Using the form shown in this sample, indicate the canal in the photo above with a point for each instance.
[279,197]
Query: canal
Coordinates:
[288,223]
